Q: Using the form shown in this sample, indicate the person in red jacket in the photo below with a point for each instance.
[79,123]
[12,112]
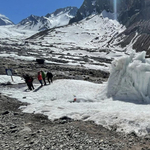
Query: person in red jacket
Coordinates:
[40,78]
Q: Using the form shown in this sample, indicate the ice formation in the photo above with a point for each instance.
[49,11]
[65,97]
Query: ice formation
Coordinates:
[130,79]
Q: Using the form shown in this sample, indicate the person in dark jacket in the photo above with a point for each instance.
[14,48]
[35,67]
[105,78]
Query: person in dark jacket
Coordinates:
[29,81]
[26,77]
[49,76]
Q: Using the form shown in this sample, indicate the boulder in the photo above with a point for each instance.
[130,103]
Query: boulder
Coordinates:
[40,61]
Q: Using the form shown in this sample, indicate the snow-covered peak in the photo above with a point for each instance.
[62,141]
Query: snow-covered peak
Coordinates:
[58,18]
[4,20]
[92,32]
[71,11]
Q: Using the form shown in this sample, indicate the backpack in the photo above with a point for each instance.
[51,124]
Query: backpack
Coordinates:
[49,74]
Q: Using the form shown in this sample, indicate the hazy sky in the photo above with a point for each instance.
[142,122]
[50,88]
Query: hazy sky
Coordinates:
[17,10]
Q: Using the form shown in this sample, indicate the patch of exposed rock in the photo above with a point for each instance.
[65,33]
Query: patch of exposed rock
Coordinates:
[139,34]
[60,71]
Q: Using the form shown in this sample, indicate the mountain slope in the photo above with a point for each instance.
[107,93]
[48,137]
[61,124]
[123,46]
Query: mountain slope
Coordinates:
[125,11]
[84,43]
[94,31]
[58,18]
[134,14]
[137,34]
[5,21]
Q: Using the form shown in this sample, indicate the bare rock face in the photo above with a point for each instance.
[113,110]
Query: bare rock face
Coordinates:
[134,14]
[139,34]
[137,22]
[128,11]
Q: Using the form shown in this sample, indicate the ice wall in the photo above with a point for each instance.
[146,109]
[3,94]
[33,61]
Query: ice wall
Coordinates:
[130,79]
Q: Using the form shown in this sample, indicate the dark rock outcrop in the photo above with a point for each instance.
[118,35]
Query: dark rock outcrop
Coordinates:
[134,14]
[128,11]
[139,34]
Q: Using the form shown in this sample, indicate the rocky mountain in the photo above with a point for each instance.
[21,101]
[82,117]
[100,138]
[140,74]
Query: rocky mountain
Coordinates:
[123,9]
[5,21]
[58,18]
[90,7]
[136,18]
[134,14]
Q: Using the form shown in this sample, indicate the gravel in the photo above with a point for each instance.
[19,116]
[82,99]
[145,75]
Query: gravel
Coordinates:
[24,131]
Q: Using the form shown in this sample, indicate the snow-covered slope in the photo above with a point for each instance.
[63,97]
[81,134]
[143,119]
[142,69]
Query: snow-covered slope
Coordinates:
[58,18]
[92,32]
[86,43]
[128,89]
[10,32]
[4,20]
[91,36]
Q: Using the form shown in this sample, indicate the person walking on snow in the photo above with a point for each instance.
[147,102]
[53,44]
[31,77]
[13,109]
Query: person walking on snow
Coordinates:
[29,81]
[49,77]
[26,78]
[43,76]
[40,78]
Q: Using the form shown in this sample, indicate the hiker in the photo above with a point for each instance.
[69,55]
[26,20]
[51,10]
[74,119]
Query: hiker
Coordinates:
[40,78]
[29,81]
[43,77]
[49,76]
[26,77]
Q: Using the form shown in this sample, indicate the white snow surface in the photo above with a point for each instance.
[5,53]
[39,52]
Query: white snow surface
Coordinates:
[88,38]
[123,100]
[4,79]
[11,32]
[92,32]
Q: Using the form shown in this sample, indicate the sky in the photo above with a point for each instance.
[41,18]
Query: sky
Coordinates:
[17,10]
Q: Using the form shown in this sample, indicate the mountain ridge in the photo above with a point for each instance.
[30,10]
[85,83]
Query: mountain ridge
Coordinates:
[5,20]
[58,18]
[134,14]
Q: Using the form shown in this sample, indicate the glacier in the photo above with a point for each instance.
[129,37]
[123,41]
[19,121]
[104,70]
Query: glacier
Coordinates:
[130,79]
